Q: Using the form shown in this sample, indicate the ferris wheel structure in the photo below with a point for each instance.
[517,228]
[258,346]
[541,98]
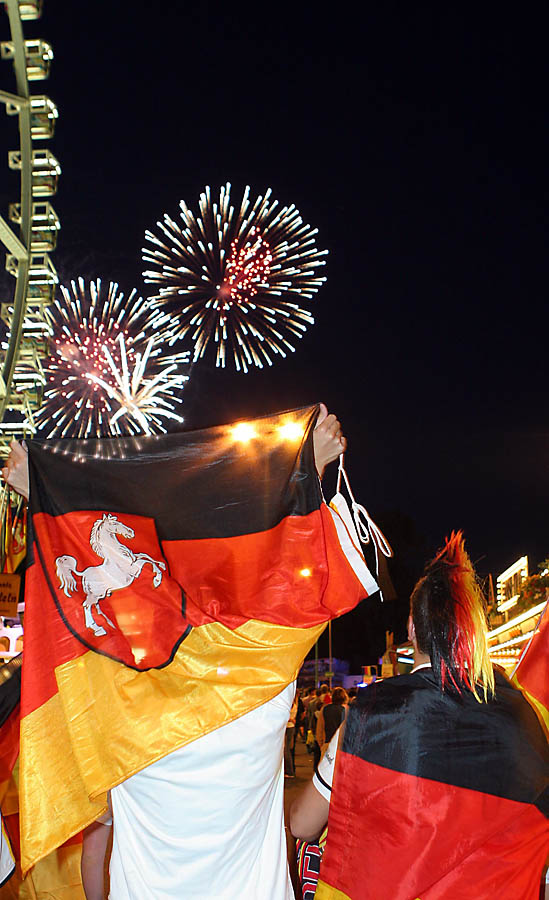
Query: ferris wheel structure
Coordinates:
[30,234]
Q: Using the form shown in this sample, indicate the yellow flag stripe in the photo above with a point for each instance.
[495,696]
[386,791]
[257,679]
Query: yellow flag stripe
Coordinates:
[539,707]
[326,892]
[108,721]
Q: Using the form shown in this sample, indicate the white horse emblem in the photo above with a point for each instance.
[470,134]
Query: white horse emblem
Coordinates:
[120,567]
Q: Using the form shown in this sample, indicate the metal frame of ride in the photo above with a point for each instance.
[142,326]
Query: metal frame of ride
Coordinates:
[36,225]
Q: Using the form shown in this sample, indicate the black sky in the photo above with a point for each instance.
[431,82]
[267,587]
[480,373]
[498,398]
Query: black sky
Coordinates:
[416,140]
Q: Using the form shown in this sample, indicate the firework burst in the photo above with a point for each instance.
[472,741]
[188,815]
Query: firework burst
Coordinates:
[144,402]
[235,279]
[96,344]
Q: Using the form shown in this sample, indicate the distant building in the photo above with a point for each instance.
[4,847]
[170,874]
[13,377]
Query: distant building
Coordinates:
[339,667]
[511,624]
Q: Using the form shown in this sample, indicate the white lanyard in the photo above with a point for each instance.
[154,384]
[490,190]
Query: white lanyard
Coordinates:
[366,528]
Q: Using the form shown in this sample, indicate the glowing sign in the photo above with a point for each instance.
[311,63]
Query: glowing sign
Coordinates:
[510,582]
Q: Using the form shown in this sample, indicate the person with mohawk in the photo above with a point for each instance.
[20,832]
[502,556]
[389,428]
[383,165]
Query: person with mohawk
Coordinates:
[440,788]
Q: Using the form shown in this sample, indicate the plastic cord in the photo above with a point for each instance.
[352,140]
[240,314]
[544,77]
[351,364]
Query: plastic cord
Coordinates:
[367,529]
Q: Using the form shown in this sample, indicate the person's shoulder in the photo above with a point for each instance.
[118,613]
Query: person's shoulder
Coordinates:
[510,701]
[393,691]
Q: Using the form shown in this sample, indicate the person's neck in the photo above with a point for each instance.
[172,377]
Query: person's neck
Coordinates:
[420,658]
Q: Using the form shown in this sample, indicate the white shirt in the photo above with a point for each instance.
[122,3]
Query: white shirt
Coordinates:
[7,864]
[323,778]
[207,821]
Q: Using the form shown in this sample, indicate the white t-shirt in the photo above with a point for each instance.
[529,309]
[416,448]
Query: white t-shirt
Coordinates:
[323,778]
[206,822]
[7,864]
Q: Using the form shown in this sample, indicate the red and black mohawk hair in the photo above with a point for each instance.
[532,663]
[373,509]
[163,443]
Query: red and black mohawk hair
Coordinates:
[448,611]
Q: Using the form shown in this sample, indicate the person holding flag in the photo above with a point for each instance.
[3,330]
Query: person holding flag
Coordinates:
[169,684]
[437,784]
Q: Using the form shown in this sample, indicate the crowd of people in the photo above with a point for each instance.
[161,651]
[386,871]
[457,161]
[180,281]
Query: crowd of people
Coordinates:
[433,785]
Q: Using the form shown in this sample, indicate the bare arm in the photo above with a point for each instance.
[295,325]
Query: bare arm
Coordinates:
[328,440]
[16,470]
[308,814]
[94,847]
[309,811]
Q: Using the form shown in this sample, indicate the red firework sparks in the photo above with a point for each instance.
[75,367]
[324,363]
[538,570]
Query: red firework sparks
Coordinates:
[247,269]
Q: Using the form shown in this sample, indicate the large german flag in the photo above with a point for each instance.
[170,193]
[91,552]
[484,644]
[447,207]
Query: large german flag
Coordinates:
[175,583]
[437,796]
[532,672]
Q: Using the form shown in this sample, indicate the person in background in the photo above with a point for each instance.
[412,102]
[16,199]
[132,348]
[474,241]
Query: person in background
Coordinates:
[440,777]
[301,719]
[289,741]
[330,718]
[322,697]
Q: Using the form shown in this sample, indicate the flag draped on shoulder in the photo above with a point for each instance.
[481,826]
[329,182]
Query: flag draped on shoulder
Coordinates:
[10,697]
[174,583]
[10,694]
[437,795]
[532,672]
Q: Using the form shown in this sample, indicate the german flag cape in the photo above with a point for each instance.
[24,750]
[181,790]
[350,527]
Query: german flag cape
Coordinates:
[10,696]
[437,796]
[532,672]
[175,583]
[58,874]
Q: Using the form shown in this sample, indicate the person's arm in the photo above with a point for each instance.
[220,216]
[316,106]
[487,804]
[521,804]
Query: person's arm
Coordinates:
[309,811]
[328,440]
[309,814]
[94,847]
[16,470]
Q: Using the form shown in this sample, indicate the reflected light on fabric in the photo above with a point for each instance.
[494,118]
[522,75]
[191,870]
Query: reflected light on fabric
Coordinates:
[243,432]
[291,431]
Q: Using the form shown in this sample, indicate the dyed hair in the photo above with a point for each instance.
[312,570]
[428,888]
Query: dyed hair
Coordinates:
[448,612]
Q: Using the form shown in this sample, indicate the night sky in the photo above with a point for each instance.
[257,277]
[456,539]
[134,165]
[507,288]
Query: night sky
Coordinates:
[416,141]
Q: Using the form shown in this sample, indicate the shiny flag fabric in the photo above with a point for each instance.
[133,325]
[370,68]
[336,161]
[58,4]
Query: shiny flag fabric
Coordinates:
[175,583]
[532,672]
[10,696]
[437,796]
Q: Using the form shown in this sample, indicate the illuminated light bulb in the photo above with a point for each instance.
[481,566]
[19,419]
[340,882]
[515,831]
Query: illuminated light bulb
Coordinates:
[243,432]
[305,573]
[291,431]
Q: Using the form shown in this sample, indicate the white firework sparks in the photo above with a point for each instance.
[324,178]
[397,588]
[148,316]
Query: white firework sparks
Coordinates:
[88,331]
[142,401]
[235,279]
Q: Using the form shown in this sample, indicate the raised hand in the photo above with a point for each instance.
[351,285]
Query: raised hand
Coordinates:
[16,471]
[328,439]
